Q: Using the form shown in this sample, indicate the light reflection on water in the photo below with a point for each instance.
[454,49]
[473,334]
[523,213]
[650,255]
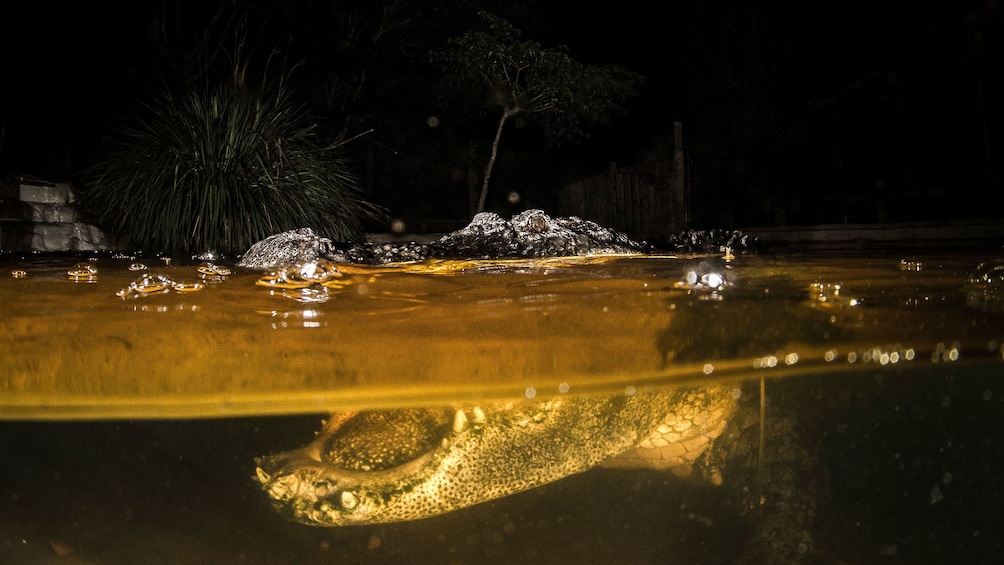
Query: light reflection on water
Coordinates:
[488,328]
[891,373]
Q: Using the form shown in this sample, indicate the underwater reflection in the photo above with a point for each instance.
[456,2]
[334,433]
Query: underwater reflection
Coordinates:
[984,287]
[705,331]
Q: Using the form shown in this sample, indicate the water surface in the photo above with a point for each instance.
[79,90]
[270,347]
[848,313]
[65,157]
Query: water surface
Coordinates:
[131,422]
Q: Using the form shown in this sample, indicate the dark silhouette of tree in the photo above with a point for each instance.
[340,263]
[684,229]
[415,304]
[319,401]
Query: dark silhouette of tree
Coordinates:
[519,77]
[352,49]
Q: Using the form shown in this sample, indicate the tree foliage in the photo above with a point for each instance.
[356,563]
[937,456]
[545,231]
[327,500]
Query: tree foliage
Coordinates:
[516,77]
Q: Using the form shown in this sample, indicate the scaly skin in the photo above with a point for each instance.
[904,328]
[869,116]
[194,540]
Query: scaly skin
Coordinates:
[485,453]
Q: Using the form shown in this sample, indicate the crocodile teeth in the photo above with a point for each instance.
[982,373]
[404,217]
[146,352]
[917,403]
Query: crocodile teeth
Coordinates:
[479,415]
[459,421]
[263,477]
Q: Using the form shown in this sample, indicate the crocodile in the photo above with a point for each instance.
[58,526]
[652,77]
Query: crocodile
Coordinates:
[531,233]
[385,466]
[392,466]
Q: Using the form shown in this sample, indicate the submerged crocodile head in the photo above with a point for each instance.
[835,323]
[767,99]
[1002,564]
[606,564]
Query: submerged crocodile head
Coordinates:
[391,466]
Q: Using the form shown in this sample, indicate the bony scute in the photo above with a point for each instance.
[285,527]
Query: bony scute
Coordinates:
[348,499]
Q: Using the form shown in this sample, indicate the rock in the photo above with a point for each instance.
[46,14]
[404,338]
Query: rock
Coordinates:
[36,215]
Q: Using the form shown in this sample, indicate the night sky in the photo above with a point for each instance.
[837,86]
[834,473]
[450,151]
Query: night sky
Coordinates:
[895,111]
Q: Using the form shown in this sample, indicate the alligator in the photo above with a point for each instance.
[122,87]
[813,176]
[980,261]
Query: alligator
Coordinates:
[531,233]
[385,466]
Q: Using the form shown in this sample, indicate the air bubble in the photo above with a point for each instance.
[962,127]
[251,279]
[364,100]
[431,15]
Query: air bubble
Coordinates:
[888,549]
[936,495]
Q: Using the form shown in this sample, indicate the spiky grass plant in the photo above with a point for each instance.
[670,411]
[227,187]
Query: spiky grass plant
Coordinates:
[220,167]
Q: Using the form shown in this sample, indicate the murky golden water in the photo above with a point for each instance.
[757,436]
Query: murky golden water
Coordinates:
[437,331]
[130,423]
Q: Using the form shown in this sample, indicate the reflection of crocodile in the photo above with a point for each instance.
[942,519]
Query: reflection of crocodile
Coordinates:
[529,234]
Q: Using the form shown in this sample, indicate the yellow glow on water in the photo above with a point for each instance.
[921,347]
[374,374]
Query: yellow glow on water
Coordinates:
[458,331]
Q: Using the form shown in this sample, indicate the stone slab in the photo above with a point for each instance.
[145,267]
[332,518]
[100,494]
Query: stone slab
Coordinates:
[33,236]
[46,193]
[14,209]
[38,212]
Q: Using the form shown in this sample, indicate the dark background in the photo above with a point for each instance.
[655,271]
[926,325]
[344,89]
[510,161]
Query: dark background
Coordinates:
[792,112]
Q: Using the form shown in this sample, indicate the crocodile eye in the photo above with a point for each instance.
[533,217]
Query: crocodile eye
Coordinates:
[349,500]
[537,224]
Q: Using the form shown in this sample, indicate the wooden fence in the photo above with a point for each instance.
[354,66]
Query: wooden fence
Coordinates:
[643,200]
[623,201]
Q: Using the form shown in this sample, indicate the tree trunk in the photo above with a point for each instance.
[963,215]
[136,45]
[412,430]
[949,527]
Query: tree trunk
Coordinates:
[506,114]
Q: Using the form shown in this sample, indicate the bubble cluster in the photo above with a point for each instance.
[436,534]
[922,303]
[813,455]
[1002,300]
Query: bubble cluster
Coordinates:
[300,275]
[945,354]
[883,355]
[83,272]
[771,361]
[149,283]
